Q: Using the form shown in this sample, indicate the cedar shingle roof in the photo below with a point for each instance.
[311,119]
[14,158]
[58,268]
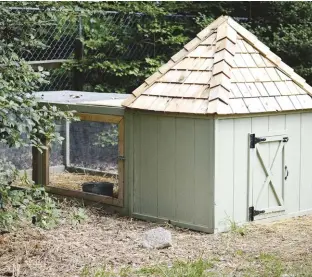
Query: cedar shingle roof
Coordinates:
[225,69]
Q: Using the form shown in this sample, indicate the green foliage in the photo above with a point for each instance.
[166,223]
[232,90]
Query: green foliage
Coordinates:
[7,172]
[33,205]
[22,120]
[108,137]
[123,47]
[78,215]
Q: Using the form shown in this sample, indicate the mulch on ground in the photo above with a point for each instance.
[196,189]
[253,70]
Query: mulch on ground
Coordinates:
[105,239]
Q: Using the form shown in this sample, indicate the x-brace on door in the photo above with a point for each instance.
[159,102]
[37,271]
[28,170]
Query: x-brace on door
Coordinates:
[268,174]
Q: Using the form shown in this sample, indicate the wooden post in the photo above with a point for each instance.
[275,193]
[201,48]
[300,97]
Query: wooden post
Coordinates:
[45,163]
[121,160]
[78,77]
[35,164]
[40,165]
[66,145]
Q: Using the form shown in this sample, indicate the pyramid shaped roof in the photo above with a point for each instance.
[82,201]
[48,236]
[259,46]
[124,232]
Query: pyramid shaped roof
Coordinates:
[225,69]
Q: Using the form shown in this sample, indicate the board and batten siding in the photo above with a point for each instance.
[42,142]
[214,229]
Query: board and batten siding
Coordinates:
[172,170]
[231,168]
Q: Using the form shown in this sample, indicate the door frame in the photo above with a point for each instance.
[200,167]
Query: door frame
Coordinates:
[41,162]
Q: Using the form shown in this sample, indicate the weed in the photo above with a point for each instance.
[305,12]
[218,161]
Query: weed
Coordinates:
[78,215]
[239,252]
[32,204]
[235,228]
[43,209]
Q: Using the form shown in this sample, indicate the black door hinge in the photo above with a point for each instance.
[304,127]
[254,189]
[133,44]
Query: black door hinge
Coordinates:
[122,158]
[254,140]
[253,213]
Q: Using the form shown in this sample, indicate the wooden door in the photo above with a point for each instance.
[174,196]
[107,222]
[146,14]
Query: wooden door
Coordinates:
[268,174]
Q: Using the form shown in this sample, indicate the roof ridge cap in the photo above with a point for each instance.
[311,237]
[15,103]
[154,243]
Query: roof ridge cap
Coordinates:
[220,82]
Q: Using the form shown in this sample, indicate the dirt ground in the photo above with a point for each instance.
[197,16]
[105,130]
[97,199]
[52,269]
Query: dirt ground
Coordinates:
[114,241]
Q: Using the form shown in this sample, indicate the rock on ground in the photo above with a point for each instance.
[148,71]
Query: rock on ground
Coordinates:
[157,238]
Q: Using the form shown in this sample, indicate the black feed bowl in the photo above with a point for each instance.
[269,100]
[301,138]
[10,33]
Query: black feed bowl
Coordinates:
[102,188]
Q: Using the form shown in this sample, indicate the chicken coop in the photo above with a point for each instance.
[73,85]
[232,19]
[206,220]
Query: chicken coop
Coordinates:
[89,163]
[220,134]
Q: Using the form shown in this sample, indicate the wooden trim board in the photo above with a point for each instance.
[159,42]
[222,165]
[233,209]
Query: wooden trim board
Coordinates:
[80,194]
[99,117]
[121,163]
[175,223]
[85,195]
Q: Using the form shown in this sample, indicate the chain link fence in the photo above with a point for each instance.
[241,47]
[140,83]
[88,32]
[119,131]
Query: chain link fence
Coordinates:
[118,37]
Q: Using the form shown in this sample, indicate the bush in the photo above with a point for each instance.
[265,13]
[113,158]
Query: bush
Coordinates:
[33,205]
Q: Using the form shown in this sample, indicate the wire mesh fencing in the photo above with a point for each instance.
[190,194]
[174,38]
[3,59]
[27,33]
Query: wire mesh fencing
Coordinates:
[87,157]
[107,36]
[94,145]
[20,157]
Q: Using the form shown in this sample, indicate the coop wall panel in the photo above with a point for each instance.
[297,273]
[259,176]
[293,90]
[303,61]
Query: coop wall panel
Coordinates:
[232,195]
[241,128]
[204,158]
[128,182]
[224,169]
[166,166]
[306,154]
[149,165]
[292,189]
[136,164]
[185,148]
[173,169]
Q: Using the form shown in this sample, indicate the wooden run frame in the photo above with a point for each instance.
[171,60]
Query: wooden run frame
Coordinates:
[41,164]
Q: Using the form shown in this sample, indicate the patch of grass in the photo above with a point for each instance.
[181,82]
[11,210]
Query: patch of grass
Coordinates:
[198,268]
[265,264]
[272,264]
[190,269]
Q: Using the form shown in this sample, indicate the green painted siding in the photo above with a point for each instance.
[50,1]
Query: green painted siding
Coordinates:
[185,166]
[166,165]
[136,194]
[148,165]
[204,170]
[305,170]
[173,169]
[128,177]
[194,171]
[231,169]
[293,155]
